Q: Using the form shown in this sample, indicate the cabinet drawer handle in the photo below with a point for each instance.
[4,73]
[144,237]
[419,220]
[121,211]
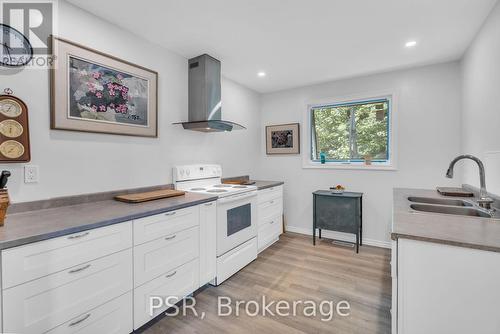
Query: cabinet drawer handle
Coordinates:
[171,237]
[271,202]
[272,222]
[170,275]
[170,213]
[80,320]
[209,204]
[74,271]
[78,236]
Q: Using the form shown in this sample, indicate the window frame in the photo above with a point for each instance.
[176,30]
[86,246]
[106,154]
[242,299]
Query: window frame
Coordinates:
[307,140]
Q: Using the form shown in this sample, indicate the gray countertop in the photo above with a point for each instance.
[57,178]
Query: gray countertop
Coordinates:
[259,183]
[30,226]
[463,231]
[267,184]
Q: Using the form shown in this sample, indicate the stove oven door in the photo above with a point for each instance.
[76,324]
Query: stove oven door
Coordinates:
[236,220]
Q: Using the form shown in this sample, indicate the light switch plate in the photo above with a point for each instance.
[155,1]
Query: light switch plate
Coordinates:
[30,174]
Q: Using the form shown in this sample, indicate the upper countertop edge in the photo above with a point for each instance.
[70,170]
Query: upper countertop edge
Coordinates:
[395,236]
[67,231]
[269,185]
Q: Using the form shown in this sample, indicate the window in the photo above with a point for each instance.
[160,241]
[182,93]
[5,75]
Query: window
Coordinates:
[351,132]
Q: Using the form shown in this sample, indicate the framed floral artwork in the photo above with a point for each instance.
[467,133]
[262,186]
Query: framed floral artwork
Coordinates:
[96,92]
[283,139]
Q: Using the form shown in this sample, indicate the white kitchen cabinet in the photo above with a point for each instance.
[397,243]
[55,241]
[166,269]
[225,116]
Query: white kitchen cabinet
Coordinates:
[271,193]
[445,289]
[177,283]
[208,242]
[269,231]
[101,280]
[35,260]
[270,216]
[164,224]
[156,257]
[113,317]
[43,304]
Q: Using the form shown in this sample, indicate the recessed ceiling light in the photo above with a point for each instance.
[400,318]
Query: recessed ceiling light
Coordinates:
[261,74]
[411,44]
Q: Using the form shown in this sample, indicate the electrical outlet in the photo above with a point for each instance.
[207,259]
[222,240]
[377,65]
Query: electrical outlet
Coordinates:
[30,174]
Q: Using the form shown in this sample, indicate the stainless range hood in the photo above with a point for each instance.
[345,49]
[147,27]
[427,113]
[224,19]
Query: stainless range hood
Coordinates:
[205,97]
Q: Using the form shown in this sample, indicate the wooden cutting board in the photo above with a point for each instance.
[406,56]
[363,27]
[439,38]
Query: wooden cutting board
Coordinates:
[149,196]
[456,192]
[239,182]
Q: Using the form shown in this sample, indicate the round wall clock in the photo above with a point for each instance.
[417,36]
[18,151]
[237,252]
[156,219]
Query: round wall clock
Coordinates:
[12,149]
[15,48]
[11,128]
[14,131]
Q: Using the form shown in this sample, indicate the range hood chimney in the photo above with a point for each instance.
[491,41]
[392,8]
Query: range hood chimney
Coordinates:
[205,97]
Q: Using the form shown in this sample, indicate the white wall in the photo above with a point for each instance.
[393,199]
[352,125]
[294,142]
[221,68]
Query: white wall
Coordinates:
[429,137]
[74,163]
[481,111]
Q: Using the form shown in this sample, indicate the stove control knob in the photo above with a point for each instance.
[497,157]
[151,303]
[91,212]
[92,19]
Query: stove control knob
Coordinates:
[188,172]
[181,171]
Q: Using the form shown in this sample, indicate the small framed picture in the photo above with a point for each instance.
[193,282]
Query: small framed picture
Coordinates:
[283,139]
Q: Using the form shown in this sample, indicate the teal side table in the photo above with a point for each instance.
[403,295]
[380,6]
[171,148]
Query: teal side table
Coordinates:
[338,212]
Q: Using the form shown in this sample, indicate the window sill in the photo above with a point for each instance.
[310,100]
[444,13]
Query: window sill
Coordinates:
[353,166]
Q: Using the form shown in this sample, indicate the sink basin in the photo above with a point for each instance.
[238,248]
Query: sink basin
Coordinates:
[451,210]
[440,201]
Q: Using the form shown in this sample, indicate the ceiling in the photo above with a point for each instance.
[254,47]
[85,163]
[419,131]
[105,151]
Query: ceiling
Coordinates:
[302,42]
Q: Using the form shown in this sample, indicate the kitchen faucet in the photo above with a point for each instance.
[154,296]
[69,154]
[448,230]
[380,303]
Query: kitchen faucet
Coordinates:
[484,201]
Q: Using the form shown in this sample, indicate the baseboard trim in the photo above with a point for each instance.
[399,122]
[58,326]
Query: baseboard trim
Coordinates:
[339,236]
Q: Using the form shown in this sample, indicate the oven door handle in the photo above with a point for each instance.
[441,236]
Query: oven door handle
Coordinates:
[237,197]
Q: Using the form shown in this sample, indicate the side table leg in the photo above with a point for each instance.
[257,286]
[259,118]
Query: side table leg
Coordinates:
[357,243]
[361,221]
[320,233]
[314,220]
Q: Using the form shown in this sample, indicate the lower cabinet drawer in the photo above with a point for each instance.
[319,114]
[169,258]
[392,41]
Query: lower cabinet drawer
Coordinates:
[268,194]
[162,255]
[270,209]
[269,232]
[178,283]
[114,317]
[25,263]
[157,226]
[45,303]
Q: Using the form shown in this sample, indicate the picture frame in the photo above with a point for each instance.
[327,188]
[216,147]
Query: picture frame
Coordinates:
[92,91]
[283,139]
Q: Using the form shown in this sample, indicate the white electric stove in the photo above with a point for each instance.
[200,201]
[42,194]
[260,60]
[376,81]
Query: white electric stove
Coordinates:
[236,215]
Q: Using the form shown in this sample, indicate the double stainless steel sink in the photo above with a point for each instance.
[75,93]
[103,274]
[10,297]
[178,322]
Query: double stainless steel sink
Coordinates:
[449,206]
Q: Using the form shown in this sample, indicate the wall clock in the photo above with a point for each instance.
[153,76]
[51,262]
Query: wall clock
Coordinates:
[14,131]
[15,48]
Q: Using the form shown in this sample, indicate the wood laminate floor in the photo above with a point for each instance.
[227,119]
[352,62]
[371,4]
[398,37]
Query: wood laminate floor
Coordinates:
[293,269]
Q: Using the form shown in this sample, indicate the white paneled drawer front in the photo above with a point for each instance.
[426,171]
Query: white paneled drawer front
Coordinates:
[164,254]
[268,194]
[45,303]
[153,227]
[269,231]
[271,208]
[234,260]
[114,317]
[28,262]
[177,283]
